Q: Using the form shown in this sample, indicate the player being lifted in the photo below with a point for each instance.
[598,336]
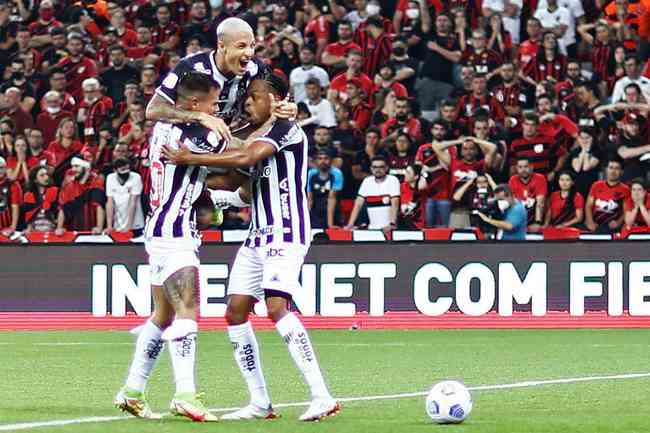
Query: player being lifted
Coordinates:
[172,242]
[232,66]
[267,266]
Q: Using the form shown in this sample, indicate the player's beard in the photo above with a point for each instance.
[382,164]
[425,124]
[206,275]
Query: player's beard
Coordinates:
[81,174]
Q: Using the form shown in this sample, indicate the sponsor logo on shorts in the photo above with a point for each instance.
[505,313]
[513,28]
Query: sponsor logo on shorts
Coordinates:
[275,252]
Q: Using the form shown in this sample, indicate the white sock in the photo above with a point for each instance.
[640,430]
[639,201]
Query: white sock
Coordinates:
[147,349]
[247,357]
[302,352]
[182,349]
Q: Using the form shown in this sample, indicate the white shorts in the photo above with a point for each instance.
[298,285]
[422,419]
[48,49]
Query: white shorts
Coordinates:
[274,268]
[168,256]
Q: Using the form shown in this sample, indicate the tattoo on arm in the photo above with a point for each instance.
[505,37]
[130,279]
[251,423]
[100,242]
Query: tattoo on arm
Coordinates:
[180,288]
[160,109]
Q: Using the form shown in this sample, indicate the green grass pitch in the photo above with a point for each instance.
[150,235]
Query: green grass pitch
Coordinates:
[71,375]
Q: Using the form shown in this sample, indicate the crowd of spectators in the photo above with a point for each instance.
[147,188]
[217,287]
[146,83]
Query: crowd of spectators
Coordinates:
[416,110]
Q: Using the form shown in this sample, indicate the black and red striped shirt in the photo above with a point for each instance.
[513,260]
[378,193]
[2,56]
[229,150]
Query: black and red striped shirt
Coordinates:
[542,152]
[609,201]
[376,52]
[10,194]
[483,63]
[600,56]
[468,104]
[540,69]
[48,203]
[79,202]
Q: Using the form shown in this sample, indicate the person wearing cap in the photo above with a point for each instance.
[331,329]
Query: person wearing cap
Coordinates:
[48,120]
[118,74]
[323,183]
[40,29]
[123,206]
[11,197]
[94,110]
[81,200]
[77,65]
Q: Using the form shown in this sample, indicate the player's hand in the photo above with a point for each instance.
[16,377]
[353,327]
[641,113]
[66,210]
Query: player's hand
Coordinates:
[218,126]
[181,156]
[284,109]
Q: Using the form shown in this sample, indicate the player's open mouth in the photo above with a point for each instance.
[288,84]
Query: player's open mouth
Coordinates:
[243,63]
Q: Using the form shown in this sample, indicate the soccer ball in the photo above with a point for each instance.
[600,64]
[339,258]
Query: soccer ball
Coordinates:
[448,402]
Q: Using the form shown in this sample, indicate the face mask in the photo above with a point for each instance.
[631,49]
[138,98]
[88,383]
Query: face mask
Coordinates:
[46,14]
[53,110]
[124,176]
[412,14]
[372,10]
[481,190]
[216,4]
[503,205]
[18,75]
[399,51]
[401,117]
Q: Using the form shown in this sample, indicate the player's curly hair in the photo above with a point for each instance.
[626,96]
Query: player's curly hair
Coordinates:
[277,85]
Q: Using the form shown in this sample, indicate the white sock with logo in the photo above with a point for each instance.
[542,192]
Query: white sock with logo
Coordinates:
[295,335]
[147,350]
[182,349]
[247,357]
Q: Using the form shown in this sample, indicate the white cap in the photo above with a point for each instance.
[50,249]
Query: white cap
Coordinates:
[81,162]
[90,84]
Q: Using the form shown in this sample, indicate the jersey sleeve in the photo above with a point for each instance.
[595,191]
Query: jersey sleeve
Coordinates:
[167,88]
[363,189]
[311,173]
[337,182]
[110,182]
[137,185]
[283,134]
[394,187]
[199,139]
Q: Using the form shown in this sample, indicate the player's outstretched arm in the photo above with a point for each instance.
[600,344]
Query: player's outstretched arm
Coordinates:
[236,158]
[228,182]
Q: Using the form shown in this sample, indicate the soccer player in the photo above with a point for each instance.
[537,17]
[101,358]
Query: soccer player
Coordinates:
[267,266]
[172,242]
[231,66]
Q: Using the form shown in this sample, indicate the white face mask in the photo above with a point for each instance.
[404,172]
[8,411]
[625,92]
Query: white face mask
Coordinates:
[503,205]
[53,110]
[372,10]
[412,13]
[216,4]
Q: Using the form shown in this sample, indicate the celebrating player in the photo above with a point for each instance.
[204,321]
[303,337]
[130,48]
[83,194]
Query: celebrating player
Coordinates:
[172,242]
[231,66]
[268,264]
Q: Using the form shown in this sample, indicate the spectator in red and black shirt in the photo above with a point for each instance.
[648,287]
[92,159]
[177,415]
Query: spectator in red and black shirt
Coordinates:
[544,153]
[401,156]
[166,34]
[76,67]
[548,64]
[20,118]
[127,37]
[531,189]
[404,121]
[602,47]
[480,99]
[604,208]
[566,207]
[637,206]
[528,48]
[11,197]
[65,144]
[82,200]
[354,62]
[57,82]
[376,46]
[50,119]
[40,29]
[483,60]
[317,30]
[94,110]
[40,202]
[513,94]
[412,199]
[360,110]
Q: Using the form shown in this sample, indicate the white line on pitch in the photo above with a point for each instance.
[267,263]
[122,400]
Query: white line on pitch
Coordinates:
[525,384]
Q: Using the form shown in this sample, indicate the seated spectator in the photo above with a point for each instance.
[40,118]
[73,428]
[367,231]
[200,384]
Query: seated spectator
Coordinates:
[633,148]
[323,184]
[546,155]
[513,223]
[65,144]
[380,193]
[81,201]
[18,166]
[404,121]
[585,157]
[58,83]
[322,112]
[413,197]
[12,109]
[606,200]
[462,167]
[123,205]
[36,148]
[637,206]
[6,137]
[11,198]
[530,189]
[481,200]
[48,120]
[566,206]
[401,156]
[40,202]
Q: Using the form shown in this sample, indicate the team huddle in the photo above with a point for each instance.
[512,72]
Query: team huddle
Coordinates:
[266,172]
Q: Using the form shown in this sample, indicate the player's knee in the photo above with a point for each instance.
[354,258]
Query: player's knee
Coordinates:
[277,309]
[235,316]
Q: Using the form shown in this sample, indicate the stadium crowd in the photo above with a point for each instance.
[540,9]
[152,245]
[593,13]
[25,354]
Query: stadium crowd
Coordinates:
[415,110]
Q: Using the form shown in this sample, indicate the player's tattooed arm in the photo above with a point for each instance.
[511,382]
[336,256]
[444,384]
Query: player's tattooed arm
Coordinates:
[180,288]
[160,109]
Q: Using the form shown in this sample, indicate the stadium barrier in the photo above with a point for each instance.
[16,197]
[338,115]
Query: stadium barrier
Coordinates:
[349,285]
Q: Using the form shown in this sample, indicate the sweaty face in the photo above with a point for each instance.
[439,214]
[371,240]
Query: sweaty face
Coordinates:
[258,102]
[238,49]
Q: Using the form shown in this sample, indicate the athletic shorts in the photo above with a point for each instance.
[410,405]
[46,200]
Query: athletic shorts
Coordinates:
[168,256]
[271,270]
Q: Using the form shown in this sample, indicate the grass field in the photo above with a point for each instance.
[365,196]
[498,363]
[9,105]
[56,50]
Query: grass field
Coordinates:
[74,375]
